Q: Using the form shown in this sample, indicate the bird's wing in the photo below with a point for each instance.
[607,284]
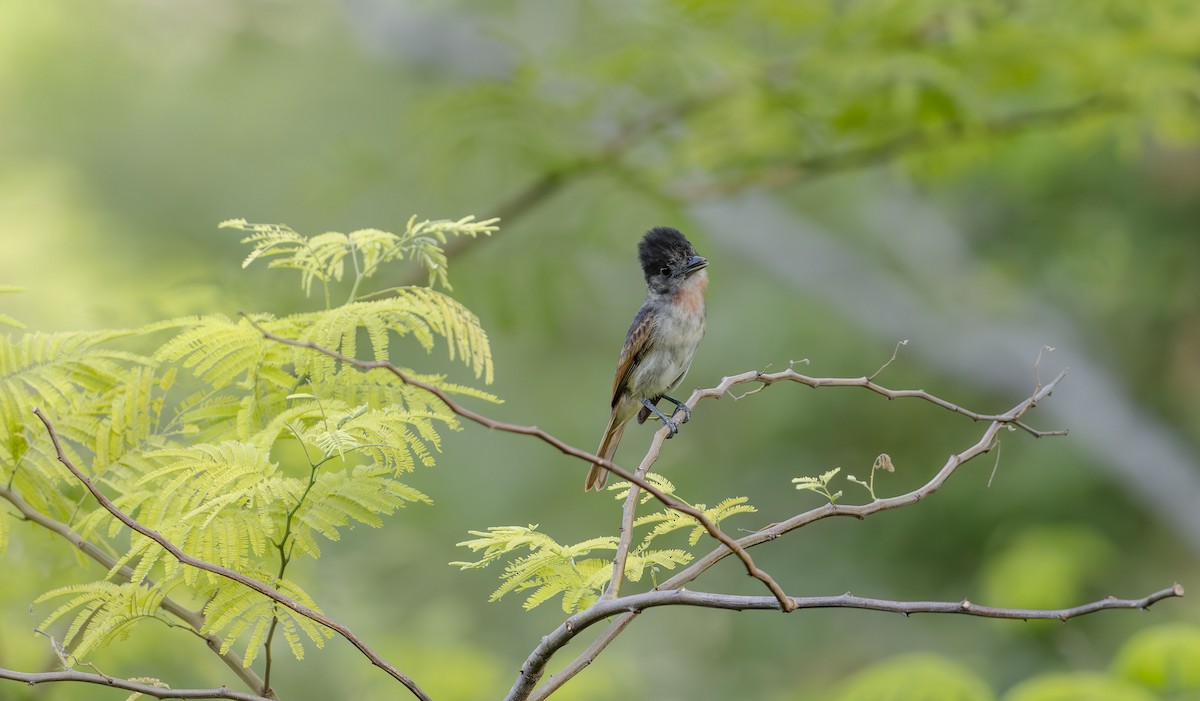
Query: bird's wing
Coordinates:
[637,342]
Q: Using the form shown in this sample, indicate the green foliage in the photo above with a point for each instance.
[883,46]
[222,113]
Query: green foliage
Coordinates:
[1045,567]
[823,86]
[550,568]
[104,612]
[1163,658]
[323,257]
[243,451]
[666,520]
[1082,686]
[916,677]
[820,485]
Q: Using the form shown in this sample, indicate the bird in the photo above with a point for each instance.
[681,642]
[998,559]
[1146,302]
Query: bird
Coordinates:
[661,341]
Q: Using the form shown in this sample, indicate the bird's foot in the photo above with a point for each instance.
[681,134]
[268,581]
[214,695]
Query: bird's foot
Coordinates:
[680,406]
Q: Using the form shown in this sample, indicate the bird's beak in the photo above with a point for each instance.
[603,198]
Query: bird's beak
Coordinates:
[695,263]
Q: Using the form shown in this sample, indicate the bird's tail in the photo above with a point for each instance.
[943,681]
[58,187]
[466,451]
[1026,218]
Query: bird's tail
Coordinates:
[598,475]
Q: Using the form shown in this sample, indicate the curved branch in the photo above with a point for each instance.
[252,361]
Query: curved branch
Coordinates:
[227,573]
[868,383]
[688,574]
[194,619]
[71,675]
[636,603]
[667,500]
[779,172]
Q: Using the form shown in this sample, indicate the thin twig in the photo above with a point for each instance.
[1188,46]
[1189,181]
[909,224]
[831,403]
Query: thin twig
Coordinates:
[194,619]
[69,675]
[608,154]
[531,672]
[667,500]
[790,375]
[242,579]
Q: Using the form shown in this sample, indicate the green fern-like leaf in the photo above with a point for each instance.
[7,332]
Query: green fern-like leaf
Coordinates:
[667,521]
[323,258]
[419,312]
[75,377]
[342,497]
[621,488]
[221,351]
[392,437]
[235,613]
[223,503]
[104,612]
[548,568]
[643,560]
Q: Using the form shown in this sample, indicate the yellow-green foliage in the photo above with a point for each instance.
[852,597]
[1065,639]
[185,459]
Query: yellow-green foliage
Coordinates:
[916,677]
[243,451]
[550,568]
[1164,658]
[1079,686]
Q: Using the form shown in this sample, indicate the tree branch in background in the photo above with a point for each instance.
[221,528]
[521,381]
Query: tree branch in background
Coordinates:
[628,136]
[128,685]
[194,619]
[534,665]
[666,499]
[780,172]
[242,579]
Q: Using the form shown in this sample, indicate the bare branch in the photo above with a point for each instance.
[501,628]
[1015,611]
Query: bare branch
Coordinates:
[666,499]
[609,154]
[774,531]
[242,579]
[636,603]
[867,383]
[128,685]
[194,619]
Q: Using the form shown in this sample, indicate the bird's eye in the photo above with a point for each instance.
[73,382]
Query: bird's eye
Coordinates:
[664,271]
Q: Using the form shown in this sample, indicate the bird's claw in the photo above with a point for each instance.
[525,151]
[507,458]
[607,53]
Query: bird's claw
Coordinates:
[672,428]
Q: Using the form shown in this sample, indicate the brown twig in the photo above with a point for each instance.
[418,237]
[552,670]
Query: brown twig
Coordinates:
[867,383]
[225,572]
[667,500]
[70,675]
[194,619]
[774,531]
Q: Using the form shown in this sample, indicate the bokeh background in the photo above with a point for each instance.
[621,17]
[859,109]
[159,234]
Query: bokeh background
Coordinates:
[979,179]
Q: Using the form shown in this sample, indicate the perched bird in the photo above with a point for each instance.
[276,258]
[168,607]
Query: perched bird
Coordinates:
[661,341]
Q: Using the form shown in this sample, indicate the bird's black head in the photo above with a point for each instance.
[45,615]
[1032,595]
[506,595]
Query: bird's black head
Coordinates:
[667,258]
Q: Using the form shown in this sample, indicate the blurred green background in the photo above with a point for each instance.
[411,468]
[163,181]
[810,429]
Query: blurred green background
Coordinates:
[981,179]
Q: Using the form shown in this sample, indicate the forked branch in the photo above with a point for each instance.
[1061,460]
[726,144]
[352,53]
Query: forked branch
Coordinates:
[667,500]
[636,603]
[225,572]
[534,666]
